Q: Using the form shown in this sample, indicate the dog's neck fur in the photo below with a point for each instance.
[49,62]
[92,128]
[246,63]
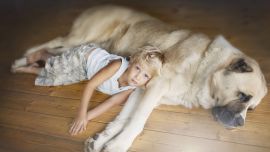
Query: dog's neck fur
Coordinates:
[217,53]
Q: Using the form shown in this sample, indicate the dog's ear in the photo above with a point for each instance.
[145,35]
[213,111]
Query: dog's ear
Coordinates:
[239,66]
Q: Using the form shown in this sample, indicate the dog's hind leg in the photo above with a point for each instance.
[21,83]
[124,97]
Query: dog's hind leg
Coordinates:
[96,143]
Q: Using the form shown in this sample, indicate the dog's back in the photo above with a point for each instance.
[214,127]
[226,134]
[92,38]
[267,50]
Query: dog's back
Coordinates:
[121,30]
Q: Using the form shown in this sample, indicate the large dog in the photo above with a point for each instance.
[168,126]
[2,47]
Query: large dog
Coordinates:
[198,71]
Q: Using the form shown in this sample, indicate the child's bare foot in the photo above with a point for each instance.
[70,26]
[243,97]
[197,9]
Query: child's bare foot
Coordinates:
[19,63]
[33,69]
[37,59]
[38,55]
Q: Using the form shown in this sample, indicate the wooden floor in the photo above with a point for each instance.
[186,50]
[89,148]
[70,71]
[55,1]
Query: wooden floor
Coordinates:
[36,119]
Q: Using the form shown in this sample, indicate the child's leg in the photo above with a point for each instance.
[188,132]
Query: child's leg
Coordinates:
[42,55]
[32,69]
[39,56]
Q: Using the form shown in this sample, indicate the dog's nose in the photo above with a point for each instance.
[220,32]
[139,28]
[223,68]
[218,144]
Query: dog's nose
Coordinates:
[239,121]
[228,118]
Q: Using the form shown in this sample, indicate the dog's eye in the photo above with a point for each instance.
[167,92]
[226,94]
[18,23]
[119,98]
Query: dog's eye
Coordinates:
[244,97]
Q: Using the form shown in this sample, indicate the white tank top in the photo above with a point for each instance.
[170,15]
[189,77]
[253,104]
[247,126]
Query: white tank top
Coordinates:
[99,58]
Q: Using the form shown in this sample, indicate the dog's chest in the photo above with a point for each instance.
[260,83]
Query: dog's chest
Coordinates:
[180,81]
[178,87]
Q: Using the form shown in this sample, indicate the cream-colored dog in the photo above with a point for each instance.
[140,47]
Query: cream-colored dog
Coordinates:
[198,71]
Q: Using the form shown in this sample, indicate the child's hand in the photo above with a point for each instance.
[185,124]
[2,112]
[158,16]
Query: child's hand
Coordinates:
[78,125]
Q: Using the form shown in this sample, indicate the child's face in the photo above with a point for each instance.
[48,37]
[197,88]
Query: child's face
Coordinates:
[138,75]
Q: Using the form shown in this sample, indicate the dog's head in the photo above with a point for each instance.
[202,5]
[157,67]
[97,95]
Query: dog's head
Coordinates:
[236,86]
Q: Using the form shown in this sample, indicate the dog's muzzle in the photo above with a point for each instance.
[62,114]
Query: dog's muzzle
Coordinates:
[228,118]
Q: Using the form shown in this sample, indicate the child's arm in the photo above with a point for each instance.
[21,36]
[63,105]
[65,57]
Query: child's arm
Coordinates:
[107,104]
[105,73]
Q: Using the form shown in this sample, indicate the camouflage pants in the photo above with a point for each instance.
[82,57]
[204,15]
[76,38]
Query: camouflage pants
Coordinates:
[65,69]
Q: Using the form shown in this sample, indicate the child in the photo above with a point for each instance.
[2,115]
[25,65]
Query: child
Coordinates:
[108,73]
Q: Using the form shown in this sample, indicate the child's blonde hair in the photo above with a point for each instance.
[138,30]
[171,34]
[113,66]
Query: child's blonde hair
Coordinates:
[149,57]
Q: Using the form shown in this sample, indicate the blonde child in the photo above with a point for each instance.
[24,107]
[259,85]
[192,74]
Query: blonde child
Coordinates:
[108,73]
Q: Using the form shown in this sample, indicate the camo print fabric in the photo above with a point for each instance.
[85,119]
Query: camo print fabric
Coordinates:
[67,68]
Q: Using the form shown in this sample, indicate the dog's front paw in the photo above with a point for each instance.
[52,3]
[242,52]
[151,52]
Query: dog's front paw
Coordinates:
[89,145]
[114,146]
[93,144]
[97,142]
